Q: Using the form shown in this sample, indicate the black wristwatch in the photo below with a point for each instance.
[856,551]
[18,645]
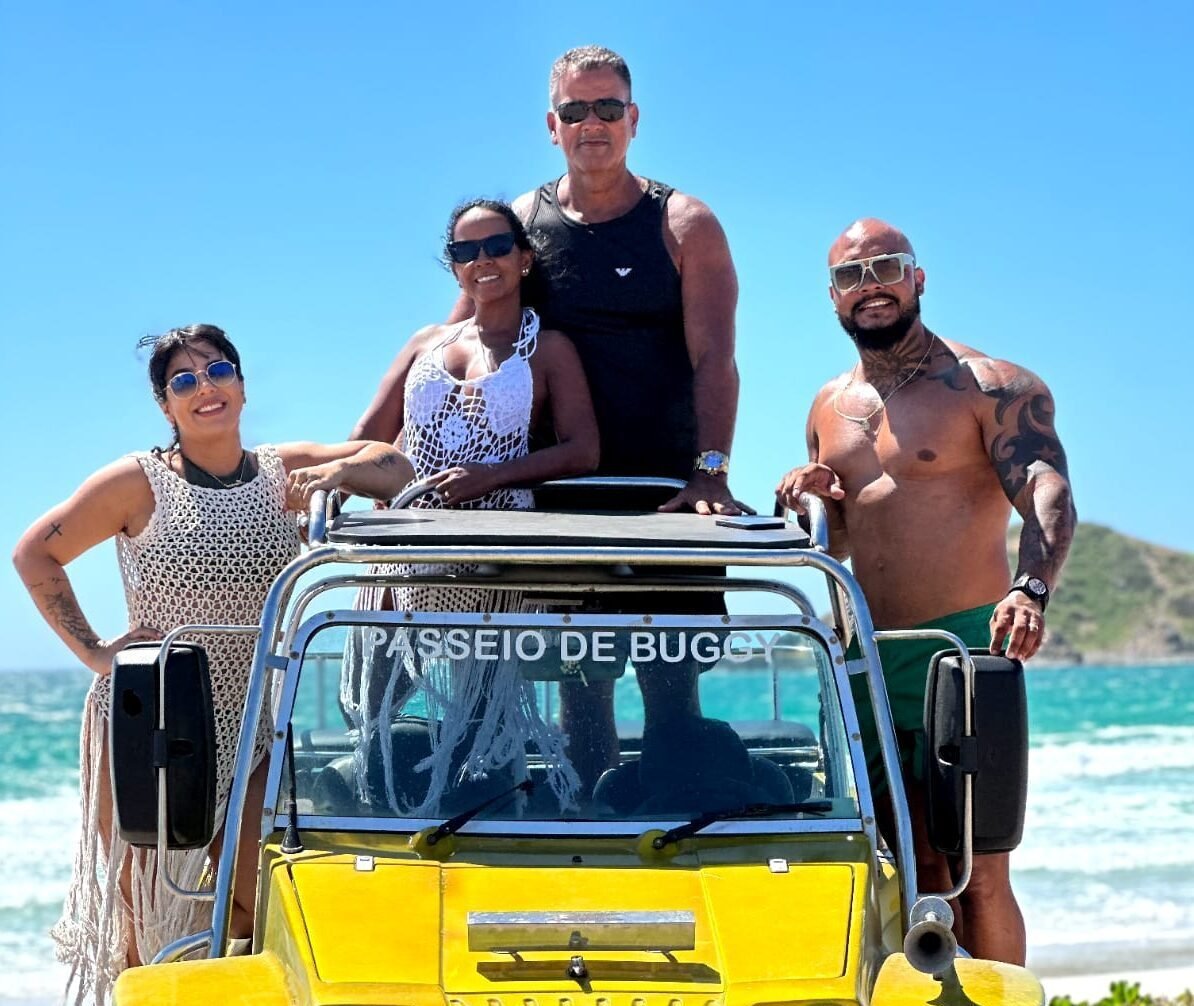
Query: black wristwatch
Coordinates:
[1034,587]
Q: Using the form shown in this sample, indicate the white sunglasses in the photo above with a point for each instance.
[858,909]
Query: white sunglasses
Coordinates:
[887,270]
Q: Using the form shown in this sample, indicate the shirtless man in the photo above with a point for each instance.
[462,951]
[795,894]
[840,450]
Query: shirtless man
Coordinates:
[920,452]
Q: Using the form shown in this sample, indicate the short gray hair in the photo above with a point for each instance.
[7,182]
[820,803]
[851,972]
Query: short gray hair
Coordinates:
[586,57]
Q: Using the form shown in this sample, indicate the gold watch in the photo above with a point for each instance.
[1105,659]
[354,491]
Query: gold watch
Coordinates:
[712,463]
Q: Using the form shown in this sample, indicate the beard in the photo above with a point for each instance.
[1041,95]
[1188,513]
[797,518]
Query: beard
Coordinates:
[886,336]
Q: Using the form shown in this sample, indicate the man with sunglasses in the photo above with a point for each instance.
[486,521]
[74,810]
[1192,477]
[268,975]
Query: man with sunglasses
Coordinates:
[920,452]
[640,278]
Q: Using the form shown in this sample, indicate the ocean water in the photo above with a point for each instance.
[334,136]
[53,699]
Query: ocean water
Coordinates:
[1105,875]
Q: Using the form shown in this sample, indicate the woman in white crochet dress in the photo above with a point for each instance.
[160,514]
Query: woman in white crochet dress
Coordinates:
[460,400]
[201,530]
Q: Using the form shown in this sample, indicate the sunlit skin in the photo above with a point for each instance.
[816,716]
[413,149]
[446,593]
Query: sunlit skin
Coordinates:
[209,420]
[492,288]
[118,500]
[595,150]
[597,187]
[919,487]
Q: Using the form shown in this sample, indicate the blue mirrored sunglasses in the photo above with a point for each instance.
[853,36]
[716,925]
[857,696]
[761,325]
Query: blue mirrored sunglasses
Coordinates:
[220,373]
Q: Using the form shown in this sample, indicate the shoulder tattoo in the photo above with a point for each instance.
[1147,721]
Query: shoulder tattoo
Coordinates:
[1027,442]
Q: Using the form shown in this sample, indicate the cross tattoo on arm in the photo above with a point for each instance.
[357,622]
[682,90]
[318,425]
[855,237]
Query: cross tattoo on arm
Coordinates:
[54,529]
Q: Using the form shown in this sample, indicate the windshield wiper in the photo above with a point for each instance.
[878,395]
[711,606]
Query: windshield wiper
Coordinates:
[748,810]
[454,824]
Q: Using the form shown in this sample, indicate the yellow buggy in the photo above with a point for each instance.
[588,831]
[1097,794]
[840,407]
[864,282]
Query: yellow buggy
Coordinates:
[435,834]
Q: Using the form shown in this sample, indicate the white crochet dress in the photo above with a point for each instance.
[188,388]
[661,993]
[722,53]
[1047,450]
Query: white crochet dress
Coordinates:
[448,422]
[207,556]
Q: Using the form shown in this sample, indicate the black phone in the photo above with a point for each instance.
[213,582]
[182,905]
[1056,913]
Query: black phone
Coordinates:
[752,522]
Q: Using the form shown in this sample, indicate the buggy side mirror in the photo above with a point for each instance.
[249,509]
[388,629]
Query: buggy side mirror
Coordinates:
[996,756]
[186,748]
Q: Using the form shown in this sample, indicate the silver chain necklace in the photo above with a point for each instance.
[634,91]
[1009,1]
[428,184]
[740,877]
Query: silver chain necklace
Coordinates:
[230,482]
[865,421]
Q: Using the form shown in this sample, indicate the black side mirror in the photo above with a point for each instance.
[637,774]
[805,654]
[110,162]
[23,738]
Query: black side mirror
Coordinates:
[186,748]
[997,756]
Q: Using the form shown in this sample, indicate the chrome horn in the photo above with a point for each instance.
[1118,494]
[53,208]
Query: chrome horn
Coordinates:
[930,945]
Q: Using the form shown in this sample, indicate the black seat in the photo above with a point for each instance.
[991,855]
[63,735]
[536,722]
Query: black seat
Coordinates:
[689,764]
[335,787]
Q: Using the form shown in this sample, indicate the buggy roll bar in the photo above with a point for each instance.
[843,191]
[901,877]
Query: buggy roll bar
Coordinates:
[321,553]
[324,504]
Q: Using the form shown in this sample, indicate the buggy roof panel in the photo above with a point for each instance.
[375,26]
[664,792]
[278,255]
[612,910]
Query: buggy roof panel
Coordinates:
[540,527]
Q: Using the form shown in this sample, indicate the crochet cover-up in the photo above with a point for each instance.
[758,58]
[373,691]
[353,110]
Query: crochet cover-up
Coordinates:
[207,556]
[482,712]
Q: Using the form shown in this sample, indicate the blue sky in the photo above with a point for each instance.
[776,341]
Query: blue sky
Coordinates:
[285,171]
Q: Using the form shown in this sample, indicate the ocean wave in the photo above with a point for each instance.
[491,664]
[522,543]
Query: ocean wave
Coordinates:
[1109,954]
[1134,752]
[37,713]
[1072,863]
[1065,912]
[37,844]
[1118,829]
[1116,733]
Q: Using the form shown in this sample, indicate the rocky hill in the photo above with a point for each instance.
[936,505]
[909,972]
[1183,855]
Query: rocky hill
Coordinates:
[1120,600]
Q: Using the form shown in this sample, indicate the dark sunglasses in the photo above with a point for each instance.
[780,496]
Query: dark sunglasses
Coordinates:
[887,270]
[606,109]
[494,246]
[220,373]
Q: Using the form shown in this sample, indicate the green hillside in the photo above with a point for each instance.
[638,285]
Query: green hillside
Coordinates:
[1119,599]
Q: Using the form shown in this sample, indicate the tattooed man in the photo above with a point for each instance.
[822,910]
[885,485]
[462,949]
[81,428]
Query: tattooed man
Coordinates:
[920,452]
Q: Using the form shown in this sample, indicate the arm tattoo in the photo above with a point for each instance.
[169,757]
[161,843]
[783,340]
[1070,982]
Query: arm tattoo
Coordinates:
[1031,464]
[1032,447]
[386,461]
[63,610]
[51,582]
[1029,461]
[54,529]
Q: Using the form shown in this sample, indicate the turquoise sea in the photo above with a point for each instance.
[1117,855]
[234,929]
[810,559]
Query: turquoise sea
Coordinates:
[1105,875]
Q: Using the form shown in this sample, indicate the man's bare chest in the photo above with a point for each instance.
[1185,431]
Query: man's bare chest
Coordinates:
[926,437]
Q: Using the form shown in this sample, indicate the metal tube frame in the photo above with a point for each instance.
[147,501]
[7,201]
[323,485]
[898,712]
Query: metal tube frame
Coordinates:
[805,625]
[639,584]
[163,837]
[967,731]
[279,594]
[184,945]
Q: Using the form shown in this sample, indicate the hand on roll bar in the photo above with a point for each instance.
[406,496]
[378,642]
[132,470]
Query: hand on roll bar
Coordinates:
[318,514]
[815,479]
[805,490]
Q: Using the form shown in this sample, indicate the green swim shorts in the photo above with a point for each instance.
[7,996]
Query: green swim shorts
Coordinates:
[905,669]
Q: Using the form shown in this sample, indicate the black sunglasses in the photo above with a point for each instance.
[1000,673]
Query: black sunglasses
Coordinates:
[606,109]
[185,383]
[494,246]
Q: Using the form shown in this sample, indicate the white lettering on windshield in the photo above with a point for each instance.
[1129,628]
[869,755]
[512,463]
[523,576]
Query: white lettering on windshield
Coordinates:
[602,646]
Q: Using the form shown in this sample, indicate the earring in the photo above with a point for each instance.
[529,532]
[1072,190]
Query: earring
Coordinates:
[526,272]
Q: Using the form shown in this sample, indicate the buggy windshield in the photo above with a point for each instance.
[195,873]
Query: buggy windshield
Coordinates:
[407,717]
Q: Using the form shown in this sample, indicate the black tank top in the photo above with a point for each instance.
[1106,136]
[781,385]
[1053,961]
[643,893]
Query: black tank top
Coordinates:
[614,290]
